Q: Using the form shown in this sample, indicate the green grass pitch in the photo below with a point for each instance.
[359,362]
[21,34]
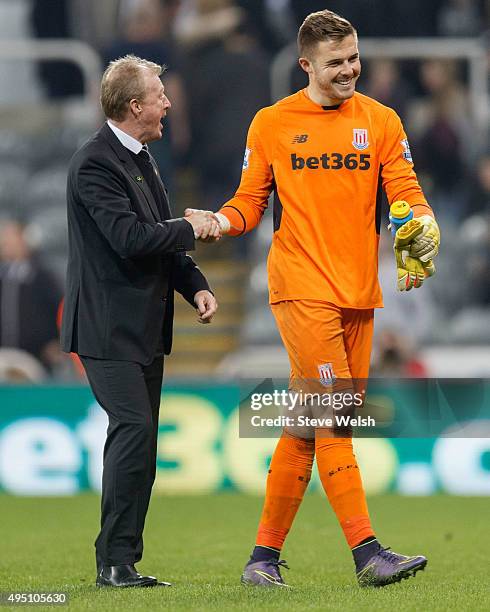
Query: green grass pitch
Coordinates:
[200,544]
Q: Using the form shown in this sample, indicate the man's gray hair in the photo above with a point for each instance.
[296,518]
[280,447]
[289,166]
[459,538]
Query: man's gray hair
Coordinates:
[123,81]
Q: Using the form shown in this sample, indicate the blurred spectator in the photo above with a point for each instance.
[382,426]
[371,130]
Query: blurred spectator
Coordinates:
[394,356]
[94,21]
[145,33]
[459,18]
[141,31]
[202,21]
[479,193]
[385,84]
[443,134]
[19,367]
[439,151]
[440,83]
[50,19]
[29,298]
[474,238]
[269,22]
[389,18]
[227,81]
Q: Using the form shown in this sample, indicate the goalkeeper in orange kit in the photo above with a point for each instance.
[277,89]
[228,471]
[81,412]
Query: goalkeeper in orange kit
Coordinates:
[327,152]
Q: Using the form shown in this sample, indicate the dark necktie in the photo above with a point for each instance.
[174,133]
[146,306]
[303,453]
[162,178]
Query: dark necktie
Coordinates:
[154,183]
[145,154]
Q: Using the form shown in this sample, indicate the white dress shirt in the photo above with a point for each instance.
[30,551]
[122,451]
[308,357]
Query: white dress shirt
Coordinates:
[125,139]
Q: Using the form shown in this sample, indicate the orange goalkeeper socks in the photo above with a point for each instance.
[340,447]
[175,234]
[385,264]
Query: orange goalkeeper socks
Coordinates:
[289,474]
[342,482]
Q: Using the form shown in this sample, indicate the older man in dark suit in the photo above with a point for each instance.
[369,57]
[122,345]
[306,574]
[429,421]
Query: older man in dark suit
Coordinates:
[126,257]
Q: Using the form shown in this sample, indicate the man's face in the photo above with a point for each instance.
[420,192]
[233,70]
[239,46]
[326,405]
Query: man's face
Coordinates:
[153,109]
[333,68]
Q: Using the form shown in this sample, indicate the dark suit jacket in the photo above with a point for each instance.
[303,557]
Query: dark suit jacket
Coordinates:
[124,260]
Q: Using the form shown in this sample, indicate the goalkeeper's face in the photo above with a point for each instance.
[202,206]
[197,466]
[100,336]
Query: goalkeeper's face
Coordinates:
[333,69]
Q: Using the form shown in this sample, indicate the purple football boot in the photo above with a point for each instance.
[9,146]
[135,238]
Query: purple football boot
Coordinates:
[264,574]
[386,567]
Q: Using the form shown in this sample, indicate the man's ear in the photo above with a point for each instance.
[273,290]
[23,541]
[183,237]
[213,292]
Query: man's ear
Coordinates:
[135,107]
[305,64]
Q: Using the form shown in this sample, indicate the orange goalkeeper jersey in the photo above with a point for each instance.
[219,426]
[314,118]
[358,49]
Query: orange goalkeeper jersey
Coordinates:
[326,167]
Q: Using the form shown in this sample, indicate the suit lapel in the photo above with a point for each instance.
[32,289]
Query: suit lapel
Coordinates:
[131,169]
[135,173]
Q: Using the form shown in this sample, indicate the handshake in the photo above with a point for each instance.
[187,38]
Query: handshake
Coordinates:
[416,244]
[207,225]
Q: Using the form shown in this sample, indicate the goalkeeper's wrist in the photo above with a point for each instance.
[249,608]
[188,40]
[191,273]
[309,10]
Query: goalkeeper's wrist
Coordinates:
[224,223]
[425,217]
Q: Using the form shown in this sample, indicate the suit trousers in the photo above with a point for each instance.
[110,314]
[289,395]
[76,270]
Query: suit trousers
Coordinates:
[130,394]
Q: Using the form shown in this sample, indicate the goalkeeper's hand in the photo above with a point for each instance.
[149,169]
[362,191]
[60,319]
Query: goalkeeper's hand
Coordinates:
[425,245]
[412,271]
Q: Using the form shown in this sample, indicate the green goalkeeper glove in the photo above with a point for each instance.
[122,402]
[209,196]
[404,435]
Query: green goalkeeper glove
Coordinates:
[425,245]
[412,271]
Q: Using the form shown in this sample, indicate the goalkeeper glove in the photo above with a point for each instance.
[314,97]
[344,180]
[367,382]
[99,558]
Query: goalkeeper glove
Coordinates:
[425,245]
[411,271]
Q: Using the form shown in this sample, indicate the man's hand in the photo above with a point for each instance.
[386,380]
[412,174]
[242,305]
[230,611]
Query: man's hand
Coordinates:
[206,306]
[413,270]
[425,245]
[205,224]
[224,224]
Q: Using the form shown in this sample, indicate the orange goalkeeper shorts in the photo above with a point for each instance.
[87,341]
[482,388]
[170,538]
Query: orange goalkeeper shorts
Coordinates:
[327,346]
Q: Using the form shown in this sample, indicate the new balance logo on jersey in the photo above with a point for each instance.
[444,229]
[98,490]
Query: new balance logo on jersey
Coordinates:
[300,138]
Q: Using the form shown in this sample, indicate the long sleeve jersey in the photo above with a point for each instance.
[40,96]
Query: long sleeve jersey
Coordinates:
[327,167]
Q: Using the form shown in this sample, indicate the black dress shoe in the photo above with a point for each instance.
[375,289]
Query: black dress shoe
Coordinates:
[124,576]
